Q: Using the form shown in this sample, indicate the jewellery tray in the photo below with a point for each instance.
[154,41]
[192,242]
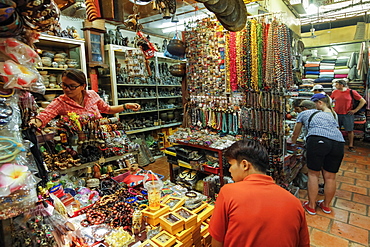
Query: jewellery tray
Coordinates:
[171,227]
[205,213]
[190,221]
[203,229]
[153,216]
[179,204]
[171,240]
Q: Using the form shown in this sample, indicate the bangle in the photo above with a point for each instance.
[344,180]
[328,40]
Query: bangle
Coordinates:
[124,107]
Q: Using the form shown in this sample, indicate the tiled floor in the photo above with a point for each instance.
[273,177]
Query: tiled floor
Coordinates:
[349,222]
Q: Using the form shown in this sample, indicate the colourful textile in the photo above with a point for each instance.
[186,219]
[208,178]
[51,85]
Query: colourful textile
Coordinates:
[340,75]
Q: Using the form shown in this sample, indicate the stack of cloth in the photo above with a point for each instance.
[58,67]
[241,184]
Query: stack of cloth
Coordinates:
[326,83]
[341,69]
[312,69]
[327,67]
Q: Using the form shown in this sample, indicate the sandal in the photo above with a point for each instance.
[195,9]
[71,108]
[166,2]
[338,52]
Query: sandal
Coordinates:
[351,149]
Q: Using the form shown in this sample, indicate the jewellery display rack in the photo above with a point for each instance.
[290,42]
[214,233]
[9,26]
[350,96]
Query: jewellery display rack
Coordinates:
[158,97]
[70,48]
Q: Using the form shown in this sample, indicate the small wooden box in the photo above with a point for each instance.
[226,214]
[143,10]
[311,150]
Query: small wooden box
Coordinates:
[164,239]
[148,243]
[171,223]
[200,208]
[178,244]
[174,202]
[188,216]
[205,213]
[153,216]
[184,234]
[204,229]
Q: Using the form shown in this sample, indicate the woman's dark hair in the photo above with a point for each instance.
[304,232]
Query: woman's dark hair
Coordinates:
[76,75]
[251,151]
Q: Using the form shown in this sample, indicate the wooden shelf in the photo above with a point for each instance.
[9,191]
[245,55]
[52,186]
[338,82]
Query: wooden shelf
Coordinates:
[169,109]
[169,97]
[104,160]
[136,85]
[178,85]
[129,132]
[136,98]
[137,112]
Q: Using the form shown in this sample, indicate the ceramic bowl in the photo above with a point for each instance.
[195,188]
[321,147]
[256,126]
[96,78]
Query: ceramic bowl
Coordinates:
[44,104]
[43,72]
[49,97]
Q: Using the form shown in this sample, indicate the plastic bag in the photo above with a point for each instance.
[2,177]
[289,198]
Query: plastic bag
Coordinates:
[19,52]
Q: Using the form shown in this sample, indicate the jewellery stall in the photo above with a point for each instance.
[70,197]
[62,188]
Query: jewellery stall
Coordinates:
[77,183]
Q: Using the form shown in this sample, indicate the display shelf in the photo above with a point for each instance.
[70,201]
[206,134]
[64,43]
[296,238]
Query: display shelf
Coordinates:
[133,99]
[169,109]
[169,97]
[177,85]
[136,112]
[153,128]
[136,85]
[103,160]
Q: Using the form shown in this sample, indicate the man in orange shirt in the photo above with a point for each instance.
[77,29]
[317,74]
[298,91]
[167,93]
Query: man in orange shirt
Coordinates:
[254,211]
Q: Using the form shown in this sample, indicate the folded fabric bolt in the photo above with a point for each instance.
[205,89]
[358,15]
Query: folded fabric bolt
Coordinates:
[311,65]
[312,72]
[321,80]
[328,60]
[340,75]
[327,64]
[327,73]
[312,68]
[341,64]
[340,67]
[327,67]
[341,71]
[312,76]
[328,76]
[326,70]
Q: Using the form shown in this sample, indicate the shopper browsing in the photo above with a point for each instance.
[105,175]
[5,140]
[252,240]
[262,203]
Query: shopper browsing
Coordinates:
[77,99]
[254,211]
[318,89]
[324,151]
[343,107]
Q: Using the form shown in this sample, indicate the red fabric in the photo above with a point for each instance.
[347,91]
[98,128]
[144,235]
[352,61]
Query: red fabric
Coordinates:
[326,70]
[63,104]
[343,100]
[257,212]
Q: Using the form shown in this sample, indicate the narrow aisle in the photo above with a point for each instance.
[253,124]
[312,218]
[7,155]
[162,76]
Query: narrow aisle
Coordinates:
[349,222]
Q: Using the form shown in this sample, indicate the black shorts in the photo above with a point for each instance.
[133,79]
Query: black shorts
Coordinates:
[323,153]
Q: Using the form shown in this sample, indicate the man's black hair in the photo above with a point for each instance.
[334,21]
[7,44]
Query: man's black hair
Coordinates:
[251,151]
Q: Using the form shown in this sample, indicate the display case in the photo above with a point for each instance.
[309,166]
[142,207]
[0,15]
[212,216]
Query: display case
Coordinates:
[133,79]
[95,47]
[57,54]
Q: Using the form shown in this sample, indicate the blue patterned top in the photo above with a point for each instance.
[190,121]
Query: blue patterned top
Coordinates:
[322,124]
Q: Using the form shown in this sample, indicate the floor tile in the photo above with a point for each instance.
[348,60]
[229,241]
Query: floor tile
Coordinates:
[359,220]
[363,171]
[355,175]
[353,244]
[345,179]
[361,199]
[336,213]
[321,239]
[354,188]
[344,194]
[348,158]
[351,206]
[348,166]
[318,221]
[363,183]
[347,231]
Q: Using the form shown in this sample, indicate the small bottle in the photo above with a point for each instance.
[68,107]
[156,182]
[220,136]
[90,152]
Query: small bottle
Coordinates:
[88,173]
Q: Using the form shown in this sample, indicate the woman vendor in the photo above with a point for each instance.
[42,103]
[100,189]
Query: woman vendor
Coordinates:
[77,99]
